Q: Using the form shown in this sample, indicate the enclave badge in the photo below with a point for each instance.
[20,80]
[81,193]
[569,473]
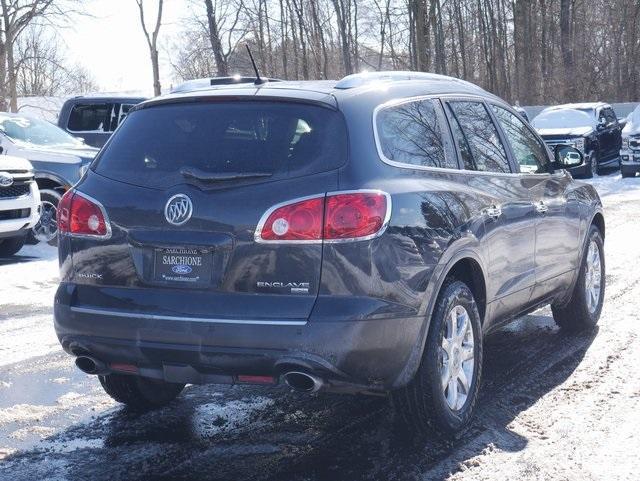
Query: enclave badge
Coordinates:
[178,209]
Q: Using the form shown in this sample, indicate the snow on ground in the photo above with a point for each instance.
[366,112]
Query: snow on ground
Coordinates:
[552,406]
[27,285]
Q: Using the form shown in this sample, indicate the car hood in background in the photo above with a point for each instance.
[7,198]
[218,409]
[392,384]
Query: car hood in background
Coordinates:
[62,154]
[631,129]
[569,132]
[8,162]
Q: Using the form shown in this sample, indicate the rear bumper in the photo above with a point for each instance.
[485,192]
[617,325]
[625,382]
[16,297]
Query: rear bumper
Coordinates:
[367,355]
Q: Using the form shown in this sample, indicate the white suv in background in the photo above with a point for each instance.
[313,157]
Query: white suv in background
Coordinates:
[19,203]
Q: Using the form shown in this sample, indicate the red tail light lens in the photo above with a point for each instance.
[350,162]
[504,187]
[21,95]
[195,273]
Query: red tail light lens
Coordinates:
[335,217]
[64,212]
[354,215]
[300,221]
[80,215]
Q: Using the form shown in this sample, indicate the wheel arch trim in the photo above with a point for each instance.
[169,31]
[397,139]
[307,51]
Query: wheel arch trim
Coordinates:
[452,256]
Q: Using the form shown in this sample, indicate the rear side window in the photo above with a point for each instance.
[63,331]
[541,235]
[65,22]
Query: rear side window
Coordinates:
[530,154]
[476,130]
[90,118]
[170,144]
[412,133]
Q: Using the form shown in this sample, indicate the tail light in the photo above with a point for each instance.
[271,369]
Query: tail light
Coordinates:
[80,215]
[335,217]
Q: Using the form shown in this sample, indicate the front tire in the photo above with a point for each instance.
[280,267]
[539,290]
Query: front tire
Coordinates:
[583,309]
[46,230]
[139,393]
[441,398]
[11,246]
[592,168]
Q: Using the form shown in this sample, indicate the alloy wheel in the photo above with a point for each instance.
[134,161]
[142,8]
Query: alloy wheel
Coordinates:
[457,358]
[47,227]
[593,277]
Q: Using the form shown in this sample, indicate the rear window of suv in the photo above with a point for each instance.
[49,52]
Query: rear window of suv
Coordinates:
[228,140]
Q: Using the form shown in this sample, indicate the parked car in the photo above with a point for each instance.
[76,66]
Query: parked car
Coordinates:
[335,236]
[630,152]
[94,118]
[592,128]
[58,160]
[19,203]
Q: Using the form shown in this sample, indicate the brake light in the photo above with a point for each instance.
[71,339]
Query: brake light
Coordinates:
[80,215]
[335,217]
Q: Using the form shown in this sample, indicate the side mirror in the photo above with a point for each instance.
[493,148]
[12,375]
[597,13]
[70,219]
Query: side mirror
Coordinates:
[566,157]
[622,122]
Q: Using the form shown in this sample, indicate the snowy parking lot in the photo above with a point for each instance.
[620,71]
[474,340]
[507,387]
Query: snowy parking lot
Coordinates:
[553,406]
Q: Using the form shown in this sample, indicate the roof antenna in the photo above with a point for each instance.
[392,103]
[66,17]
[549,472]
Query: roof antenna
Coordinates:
[259,80]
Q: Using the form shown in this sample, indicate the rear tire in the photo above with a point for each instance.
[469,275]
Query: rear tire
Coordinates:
[425,404]
[139,393]
[583,309]
[11,246]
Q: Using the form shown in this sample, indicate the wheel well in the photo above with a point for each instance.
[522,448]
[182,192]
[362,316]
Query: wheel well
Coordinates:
[598,221]
[49,184]
[467,270]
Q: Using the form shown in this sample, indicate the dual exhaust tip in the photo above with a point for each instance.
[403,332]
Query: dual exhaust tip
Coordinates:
[297,380]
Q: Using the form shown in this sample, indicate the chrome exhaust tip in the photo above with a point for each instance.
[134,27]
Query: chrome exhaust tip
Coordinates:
[302,381]
[91,365]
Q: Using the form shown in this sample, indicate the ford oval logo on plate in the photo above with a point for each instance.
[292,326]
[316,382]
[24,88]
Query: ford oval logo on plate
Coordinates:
[181,269]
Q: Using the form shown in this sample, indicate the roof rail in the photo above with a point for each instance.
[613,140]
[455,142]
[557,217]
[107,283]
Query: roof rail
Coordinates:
[364,78]
[215,81]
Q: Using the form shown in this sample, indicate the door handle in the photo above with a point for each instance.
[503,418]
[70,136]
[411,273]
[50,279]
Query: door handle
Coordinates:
[494,212]
[541,207]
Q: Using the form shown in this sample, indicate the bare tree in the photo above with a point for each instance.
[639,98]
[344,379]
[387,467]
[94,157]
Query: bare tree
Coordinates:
[152,42]
[534,51]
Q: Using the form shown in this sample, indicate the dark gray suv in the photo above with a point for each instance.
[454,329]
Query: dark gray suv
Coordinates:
[355,236]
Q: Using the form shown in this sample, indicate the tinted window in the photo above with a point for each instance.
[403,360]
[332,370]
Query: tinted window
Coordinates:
[530,154]
[412,133]
[272,140]
[481,135]
[90,118]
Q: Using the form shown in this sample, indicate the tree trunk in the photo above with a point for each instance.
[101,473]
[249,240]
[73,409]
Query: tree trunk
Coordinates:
[222,66]
[566,48]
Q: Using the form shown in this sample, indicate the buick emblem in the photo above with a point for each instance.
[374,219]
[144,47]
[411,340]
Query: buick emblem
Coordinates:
[6,180]
[178,209]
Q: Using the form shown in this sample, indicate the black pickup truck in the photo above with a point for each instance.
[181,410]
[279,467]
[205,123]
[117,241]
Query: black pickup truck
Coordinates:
[592,128]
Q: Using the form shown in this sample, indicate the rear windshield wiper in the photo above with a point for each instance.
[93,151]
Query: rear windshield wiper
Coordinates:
[203,176]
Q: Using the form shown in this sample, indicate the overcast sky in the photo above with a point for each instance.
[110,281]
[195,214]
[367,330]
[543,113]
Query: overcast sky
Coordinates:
[111,45]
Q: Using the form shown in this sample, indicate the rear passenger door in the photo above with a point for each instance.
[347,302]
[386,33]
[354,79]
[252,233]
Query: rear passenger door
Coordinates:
[509,218]
[557,209]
